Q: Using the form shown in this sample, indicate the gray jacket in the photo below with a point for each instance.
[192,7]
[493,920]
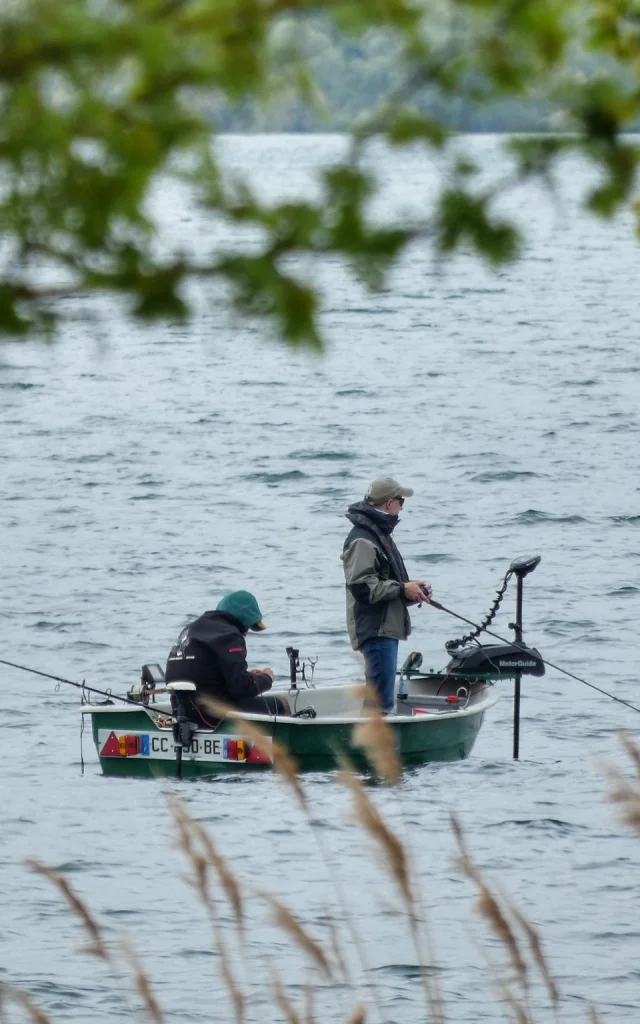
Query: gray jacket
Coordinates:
[374,578]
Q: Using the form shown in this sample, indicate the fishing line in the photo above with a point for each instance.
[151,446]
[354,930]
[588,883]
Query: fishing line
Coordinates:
[70,682]
[549,664]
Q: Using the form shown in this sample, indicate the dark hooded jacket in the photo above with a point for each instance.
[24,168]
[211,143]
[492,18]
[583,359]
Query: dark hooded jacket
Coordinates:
[212,653]
[374,577]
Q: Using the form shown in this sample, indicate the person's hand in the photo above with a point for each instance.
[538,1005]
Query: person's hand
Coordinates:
[263,672]
[418,591]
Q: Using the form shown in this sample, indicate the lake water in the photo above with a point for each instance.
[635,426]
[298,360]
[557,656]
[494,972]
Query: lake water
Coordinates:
[144,472]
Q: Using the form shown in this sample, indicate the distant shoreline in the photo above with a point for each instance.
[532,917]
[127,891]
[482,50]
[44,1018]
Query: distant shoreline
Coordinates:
[632,133]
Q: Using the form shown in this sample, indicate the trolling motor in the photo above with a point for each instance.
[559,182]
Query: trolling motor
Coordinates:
[183,728]
[499,661]
[521,567]
[473,662]
[506,661]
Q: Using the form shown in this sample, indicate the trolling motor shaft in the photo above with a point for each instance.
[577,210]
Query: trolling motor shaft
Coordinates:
[521,567]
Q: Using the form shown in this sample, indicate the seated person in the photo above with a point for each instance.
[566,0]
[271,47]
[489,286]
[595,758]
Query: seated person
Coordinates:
[211,652]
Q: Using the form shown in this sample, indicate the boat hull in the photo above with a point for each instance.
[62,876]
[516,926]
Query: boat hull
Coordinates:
[131,743]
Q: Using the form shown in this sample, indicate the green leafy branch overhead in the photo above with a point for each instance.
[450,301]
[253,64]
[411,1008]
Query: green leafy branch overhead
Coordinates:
[101,103]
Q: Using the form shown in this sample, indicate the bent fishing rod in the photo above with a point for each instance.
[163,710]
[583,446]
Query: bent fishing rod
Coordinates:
[70,682]
[520,567]
[549,664]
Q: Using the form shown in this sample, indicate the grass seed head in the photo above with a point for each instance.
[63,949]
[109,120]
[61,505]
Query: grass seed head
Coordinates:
[143,986]
[388,843]
[97,946]
[9,993]
[283,763]
[283,1000]
[358,1015]
[286,920]
[378,740]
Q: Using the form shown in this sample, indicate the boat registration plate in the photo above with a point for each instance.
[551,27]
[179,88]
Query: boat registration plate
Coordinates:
[161,746]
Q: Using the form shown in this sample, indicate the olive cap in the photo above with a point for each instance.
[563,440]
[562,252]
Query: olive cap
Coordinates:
[385,488]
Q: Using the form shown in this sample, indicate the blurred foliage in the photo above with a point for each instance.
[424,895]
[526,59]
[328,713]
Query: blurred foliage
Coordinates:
[104,101]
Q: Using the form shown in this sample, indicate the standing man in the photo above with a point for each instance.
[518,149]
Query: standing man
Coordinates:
[378,585]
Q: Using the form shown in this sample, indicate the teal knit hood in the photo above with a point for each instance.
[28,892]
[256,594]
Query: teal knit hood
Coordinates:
[244,607]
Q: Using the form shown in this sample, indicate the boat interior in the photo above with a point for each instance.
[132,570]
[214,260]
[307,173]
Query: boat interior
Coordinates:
[431,694]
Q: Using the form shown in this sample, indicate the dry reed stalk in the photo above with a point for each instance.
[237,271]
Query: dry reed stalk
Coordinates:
[287,767]
[309,1015]
[520,1012]
[185,825]
[625,792]
[535,946]
[290,924]
[356,938]
[336,950]
[283,1000]
[629,797]
[236,993]
[182,822]
[283,763]
[395,860]
[186,832]
[632,750]
[237,996]
[377,739]
[358,1014]
[20,998]
[97,946]
[388,843]
[489,908]
[143,987]
[227,879]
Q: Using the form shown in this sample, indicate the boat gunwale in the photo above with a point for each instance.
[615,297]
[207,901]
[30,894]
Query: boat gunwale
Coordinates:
[488,700]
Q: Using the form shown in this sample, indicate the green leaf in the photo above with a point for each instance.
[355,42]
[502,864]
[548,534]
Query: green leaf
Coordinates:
[261,289]
[12,322]
[465,218]
[410,126]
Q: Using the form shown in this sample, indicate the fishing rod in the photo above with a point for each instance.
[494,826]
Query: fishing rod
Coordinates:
[70,682]
[549,664]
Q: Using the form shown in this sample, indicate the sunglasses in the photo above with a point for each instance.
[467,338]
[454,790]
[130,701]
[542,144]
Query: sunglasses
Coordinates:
[398,498]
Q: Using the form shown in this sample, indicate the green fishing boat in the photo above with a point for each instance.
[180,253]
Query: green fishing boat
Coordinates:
[437,715]
[144,741]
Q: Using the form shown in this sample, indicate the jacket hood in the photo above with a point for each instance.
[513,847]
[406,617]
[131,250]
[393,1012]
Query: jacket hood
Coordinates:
[364,514]
[244,607]
[201,628]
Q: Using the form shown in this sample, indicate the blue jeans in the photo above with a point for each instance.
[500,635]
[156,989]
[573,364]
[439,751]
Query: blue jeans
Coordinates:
[381,659]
